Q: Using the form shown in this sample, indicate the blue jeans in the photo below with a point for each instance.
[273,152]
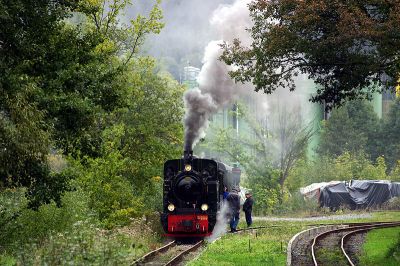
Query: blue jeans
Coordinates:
[234,221]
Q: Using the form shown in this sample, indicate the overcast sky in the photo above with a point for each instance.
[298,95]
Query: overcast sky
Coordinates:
[187,30]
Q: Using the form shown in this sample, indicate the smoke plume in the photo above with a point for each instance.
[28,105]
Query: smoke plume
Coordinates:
[216,89]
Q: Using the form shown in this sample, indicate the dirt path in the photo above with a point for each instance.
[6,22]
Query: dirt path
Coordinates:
[317,218]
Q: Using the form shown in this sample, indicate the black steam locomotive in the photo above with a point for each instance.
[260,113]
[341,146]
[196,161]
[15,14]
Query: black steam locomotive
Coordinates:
[193,190]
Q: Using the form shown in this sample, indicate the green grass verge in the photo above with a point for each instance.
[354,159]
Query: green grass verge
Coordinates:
[377,245]
[268,246]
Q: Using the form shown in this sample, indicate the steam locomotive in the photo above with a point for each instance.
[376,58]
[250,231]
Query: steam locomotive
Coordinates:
[192,193]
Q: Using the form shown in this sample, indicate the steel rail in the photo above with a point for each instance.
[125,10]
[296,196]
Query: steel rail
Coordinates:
[153,253]
[175,260]
[347,236]
[254,228]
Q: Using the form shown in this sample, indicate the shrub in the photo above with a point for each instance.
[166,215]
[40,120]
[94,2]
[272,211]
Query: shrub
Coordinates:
[295,203]
[31,226]
[111,195]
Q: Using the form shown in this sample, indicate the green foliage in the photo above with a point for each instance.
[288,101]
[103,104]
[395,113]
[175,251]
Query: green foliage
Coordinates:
[25,225]
[390,135]
[395,174]
[68,234]
[61,81]
[353,127]
[265,189]
[110,193]
[295,203]
[342,168]
[151,126]
[85,127]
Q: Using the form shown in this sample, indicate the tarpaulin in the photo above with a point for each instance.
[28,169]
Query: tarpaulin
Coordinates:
[358,193]
[335,196]
[366,193]
[395,189]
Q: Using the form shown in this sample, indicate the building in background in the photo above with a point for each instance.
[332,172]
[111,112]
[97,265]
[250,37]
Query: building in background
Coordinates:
[189,77]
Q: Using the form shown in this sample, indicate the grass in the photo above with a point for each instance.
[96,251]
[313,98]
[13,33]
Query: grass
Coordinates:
[268,246]
[331,257]
[377,245]
[265,246]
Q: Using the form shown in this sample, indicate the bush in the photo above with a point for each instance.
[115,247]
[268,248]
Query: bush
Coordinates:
[30,226]
[71,234]
[296,203]
[111,195]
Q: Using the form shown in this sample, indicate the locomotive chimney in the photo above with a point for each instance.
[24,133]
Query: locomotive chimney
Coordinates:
[188,155]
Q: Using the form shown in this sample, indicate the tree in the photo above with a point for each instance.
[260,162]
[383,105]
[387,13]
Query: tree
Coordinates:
[25,138]
[60,81]
[390,135]
[275,150]
[345,47]
[293,138]
[353,127]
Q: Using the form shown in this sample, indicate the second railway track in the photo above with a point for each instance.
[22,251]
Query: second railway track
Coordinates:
[342,244]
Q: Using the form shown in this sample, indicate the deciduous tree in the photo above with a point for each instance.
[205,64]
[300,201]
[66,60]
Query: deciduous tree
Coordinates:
[344,46]
[353,127]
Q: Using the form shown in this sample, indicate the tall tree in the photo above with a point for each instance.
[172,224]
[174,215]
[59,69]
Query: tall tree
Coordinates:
[27,29]
[353,127]
[344,46]
[390,135]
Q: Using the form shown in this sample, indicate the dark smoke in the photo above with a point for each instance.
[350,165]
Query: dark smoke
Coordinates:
[216,88]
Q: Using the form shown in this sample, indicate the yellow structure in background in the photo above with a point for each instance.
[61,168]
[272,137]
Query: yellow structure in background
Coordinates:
[398,89]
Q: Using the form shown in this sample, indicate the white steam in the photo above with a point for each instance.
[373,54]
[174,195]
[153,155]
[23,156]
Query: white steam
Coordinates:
[221,224]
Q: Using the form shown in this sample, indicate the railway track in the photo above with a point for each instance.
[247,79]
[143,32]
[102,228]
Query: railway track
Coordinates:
[170,254]
[173,252]
[341,241]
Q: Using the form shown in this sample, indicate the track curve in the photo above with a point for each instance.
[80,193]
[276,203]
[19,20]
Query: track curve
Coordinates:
[340,236]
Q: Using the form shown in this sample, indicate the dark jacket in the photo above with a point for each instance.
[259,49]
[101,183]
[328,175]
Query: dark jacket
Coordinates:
[248,204]
[234,202]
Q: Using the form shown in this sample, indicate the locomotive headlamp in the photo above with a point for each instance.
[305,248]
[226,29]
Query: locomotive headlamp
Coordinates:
[204,207]
[171,207]
[188,167]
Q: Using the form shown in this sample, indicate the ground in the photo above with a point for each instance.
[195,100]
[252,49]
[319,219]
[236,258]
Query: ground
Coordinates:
[268,246]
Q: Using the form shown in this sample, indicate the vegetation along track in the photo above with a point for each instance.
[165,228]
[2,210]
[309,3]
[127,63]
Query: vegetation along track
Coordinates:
[340,246]
[170,254]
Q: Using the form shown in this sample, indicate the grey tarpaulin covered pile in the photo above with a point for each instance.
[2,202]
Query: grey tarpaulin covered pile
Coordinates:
[358,193]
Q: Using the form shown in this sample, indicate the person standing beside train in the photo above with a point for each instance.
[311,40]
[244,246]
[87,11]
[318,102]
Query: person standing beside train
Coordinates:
[226,193]
[248,207]
[234,208]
